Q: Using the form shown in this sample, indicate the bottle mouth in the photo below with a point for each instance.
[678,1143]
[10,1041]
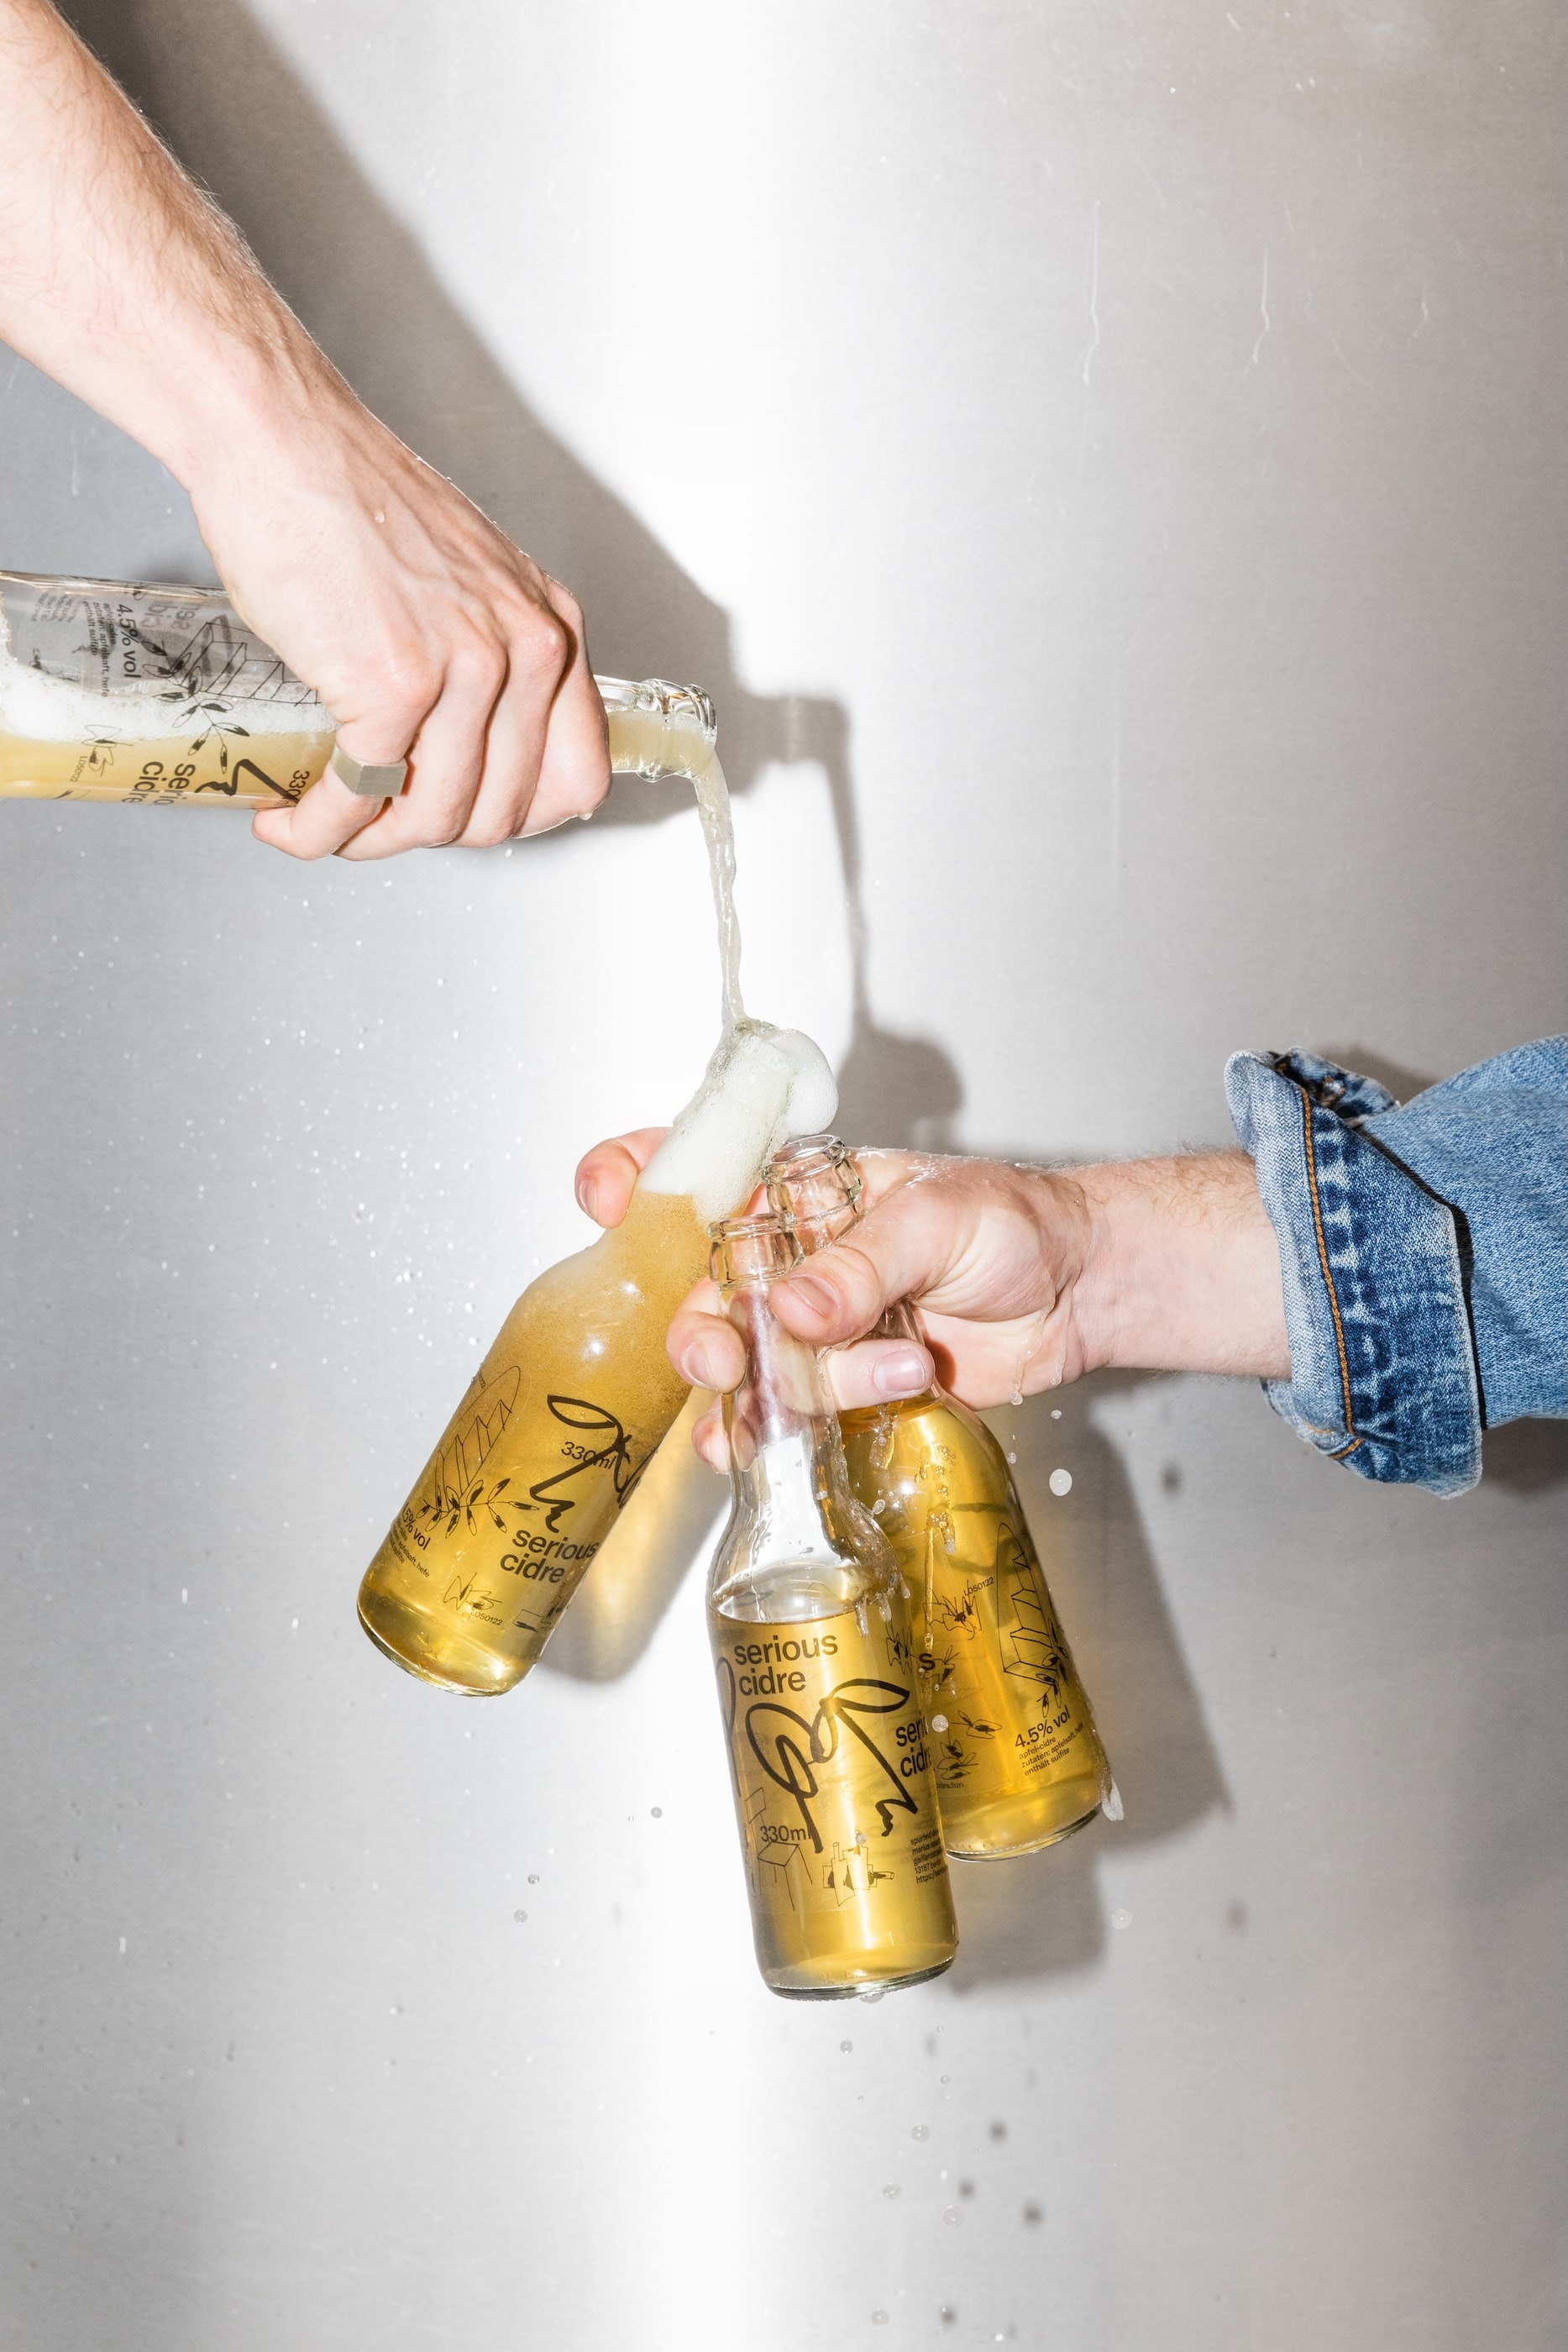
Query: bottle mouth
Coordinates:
[815,1181]
[685,710]
[807,1155]
[752,1249]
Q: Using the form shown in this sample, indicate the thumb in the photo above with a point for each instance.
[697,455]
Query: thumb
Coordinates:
[845,1291]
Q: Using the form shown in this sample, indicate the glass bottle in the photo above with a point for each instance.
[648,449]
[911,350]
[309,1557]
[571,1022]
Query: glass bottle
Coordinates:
[809,1618]
[1017,1759]
[576,1394]
[121,690]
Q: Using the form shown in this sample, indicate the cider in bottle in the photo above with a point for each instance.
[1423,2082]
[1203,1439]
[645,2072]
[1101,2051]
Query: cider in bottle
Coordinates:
[125,690]
[1017,1759]
[809,1618]
[577,1392]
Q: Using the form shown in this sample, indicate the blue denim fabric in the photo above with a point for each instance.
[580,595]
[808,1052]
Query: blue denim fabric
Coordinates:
[1425,1253]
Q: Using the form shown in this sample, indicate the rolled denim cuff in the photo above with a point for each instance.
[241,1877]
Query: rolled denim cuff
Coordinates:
[1382,1371]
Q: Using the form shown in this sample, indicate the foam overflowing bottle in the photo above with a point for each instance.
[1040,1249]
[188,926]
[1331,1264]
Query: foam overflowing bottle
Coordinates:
[121,690]
[1018,1761]
[809,1618]
[576,1394]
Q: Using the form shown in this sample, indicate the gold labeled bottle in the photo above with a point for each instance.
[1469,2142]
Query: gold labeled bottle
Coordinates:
[1017,1759]
[809,1618]
[577,1392]
[122,690]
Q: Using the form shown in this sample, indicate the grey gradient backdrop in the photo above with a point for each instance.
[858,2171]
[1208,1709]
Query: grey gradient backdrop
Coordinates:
[1107,463]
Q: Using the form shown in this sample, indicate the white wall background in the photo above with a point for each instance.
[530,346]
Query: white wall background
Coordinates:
[1106,461]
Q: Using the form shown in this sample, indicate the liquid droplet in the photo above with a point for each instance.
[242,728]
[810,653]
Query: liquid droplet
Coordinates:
[938,1723]
[954,2219]
[892,2190]
[872,1992]
[1061,1482]
[879,2319]
[1012,1458]
[533,1878]
[1056,1413]
[921,2131]
[519,1917]
[846,2045]
[658,1812]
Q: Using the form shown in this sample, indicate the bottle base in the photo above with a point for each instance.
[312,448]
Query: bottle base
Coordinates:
[463,1670]
[860,1989]
[1001,1839]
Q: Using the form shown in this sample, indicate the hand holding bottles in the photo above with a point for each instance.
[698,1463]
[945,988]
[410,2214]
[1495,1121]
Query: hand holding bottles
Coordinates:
[1023,1278]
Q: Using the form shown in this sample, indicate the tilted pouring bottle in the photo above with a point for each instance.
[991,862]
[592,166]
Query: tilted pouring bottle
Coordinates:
[124,691]
[1017,1759]
[809,1618]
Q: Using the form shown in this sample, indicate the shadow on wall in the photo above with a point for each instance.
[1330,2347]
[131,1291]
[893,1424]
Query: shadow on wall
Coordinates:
[237,116]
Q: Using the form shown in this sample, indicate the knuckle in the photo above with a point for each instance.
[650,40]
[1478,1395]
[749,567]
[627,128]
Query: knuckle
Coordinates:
[477,670]
[567,606]
[407,684]
[487,832]
[542,644]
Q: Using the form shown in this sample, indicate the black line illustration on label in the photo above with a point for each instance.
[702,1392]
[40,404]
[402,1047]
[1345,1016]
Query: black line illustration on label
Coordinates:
[789,1759]
[577,1412]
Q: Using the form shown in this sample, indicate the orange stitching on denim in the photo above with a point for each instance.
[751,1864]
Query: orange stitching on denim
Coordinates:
[1328,1279]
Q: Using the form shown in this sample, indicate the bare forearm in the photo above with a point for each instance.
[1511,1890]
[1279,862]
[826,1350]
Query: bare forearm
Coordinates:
[118,277]
[1182,1273]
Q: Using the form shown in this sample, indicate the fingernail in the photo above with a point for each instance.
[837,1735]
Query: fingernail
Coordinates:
[696,1367]
[588,1198]
[902,1373]
[812,1294]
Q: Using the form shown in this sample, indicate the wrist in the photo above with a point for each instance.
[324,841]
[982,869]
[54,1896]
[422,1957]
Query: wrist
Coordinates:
[1181,1269]
[267,399]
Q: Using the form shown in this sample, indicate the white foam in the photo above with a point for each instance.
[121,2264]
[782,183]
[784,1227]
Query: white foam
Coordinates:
[762,1086]
[37,709]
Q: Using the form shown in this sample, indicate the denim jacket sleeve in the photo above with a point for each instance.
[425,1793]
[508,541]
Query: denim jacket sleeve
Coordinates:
[1425,1252]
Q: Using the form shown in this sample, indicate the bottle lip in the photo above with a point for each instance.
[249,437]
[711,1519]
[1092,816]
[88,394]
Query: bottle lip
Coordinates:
[753,1249]
[806,1155]
[743,1229]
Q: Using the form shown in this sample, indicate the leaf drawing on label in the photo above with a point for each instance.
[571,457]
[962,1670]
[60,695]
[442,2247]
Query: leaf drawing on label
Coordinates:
[458,1489]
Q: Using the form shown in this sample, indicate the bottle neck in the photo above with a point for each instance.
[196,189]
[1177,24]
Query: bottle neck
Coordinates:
[786,1453]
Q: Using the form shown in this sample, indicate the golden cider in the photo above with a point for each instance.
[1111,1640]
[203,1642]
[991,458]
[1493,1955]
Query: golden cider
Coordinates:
[129,691]
[808,1619]
[832,1792]
[533,1470]
[1017,1759]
